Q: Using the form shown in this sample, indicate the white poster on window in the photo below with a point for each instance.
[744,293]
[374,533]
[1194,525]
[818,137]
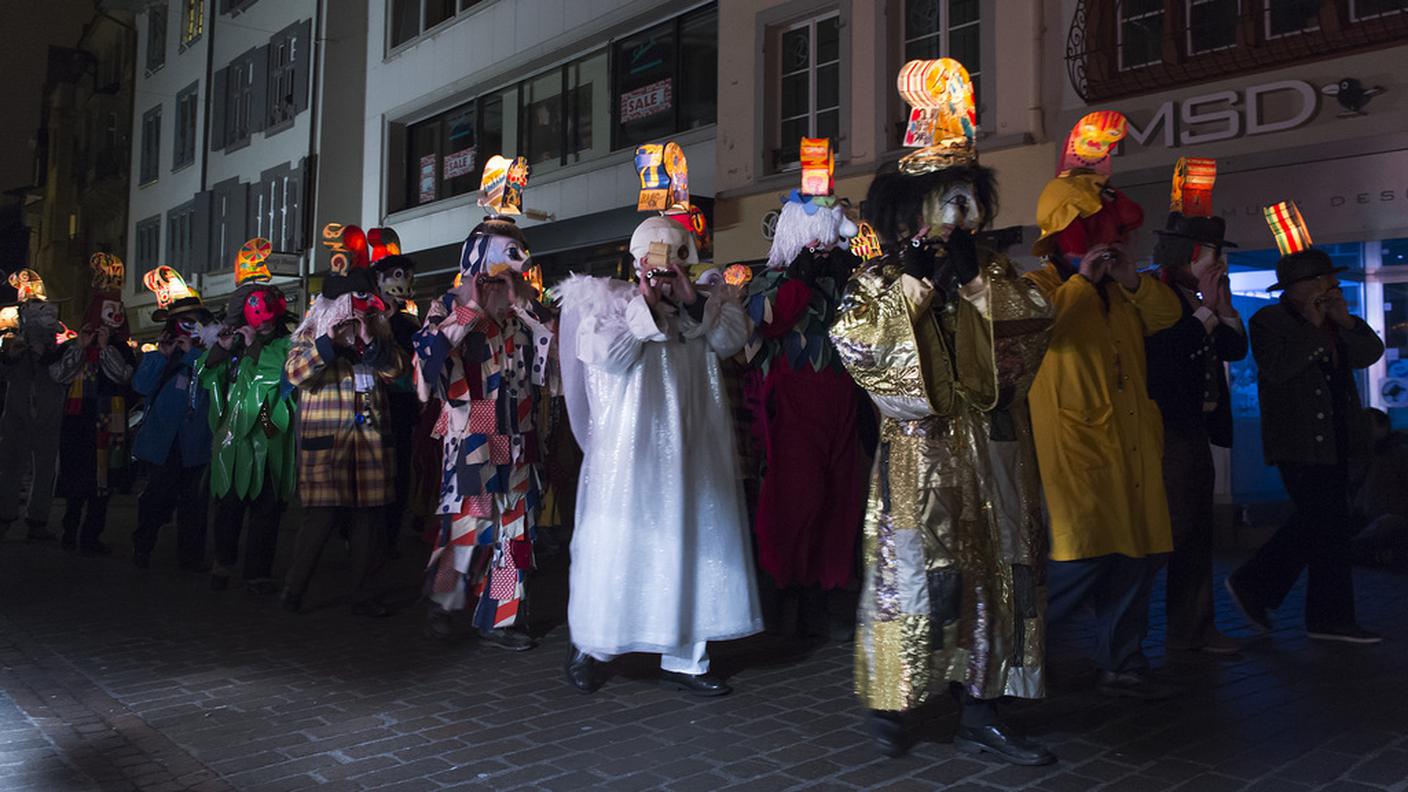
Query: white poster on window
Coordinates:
[427,178]
[646,101]
[460,163]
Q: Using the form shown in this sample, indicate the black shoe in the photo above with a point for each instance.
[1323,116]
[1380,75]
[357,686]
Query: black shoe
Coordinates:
[95,550]
[1254,612]
[512,640]
[370,609]
[141,560]
[1000,741]
[261,586]
[889,732]
[438,625]
[1352,634]
[581,671]
[706,685]
[293,603]
[1133,684]
[219,582]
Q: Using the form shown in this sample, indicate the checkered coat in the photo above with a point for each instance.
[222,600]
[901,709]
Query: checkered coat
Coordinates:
[346,451]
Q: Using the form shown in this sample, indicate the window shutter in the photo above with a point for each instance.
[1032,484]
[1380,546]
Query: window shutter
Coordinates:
[236,224]
[303,66]
[259,101]
[218,99]
[199,260]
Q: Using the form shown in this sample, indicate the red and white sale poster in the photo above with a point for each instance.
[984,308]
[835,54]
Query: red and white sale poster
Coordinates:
[427,178]
[646,101]
[460,163]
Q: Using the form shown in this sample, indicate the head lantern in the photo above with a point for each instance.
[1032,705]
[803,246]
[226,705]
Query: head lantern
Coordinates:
[497,244]
[1191,226]
[105,307]
[178,304]
[1079,209]
[35,318]
[1299,261]
[28,285]
[256,301]
[812,215]
[249,262]
[940,186]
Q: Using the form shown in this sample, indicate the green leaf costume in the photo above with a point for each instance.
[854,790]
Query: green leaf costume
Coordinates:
[251,418]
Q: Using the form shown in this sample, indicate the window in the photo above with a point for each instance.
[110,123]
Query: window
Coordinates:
[1288,17]
[276,205]
[192,21]
[437,11]
[156,37]
[542,126]
[148,248]
[180,225]
[666,79]
[410,18]
[241,109]
[151,145]
[286,50]
[1212,24]
[810,92]
[235,6]
[944,29]
[462,158]
[1360,10]
[187,108]
[424,162]
[1141,30]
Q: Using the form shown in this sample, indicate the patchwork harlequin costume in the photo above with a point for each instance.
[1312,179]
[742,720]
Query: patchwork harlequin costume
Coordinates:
[946,337]
[484,367]
[660,556]
[341,359]
[94,457]
[34,405]
[813,489]
[1098,434]
[251,417]
[174,439]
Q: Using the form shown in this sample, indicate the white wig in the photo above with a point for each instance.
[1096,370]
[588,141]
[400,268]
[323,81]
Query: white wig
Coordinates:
[827,225]
[324,315]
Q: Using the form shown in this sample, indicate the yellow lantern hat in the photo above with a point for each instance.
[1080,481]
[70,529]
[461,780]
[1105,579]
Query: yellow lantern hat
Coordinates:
[943,116]
[108,271]
[173,295]
[664,178]
[249,262]
[501,187]
[1193,178]
[1287,227]
[28,285]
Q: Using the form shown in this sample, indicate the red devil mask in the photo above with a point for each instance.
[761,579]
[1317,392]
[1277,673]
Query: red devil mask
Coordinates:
[262,307]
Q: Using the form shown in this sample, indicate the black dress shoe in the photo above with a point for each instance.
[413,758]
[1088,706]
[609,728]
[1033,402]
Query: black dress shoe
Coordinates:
[1133,684]
[694,684]
[889,732]
[38,533]
[261,586]
[504,638]
[194,566]
[1001,742]
[581,671]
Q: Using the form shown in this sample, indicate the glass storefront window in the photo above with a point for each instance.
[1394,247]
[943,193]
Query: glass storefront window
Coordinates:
[542,125]
[462,158]
[699,63]
[645,86]
[424,163]
[588,108]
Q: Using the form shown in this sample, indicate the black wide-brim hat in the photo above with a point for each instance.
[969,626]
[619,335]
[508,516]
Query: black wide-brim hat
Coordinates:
[1303,265]
[185,305]
[1203,230]
[358,280]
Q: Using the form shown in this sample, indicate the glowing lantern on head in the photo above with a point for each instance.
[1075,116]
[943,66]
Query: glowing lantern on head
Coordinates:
[1287,227]
[1092,140]
[664,178]
[1193,178]
[249,261]
[818,166]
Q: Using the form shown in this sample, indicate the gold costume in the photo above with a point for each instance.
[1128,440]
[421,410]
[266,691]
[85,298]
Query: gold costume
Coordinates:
[954,537]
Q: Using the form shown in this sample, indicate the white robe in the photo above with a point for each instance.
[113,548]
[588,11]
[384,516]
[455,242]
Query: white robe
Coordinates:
[661,557]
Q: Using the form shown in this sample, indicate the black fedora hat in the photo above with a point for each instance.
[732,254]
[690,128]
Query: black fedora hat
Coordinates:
[1203,230]
[185,305]
[1303,265]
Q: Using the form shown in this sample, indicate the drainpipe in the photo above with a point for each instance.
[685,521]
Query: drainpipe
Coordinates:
[1036,121]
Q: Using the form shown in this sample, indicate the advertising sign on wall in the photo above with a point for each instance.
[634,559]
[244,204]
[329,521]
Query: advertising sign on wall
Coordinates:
[460,163]
[427,178]
[646,101]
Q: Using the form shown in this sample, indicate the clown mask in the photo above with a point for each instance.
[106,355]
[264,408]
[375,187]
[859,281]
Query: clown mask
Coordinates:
[956,207]
[503,254]
[112,314]
[262,307]
[366,302]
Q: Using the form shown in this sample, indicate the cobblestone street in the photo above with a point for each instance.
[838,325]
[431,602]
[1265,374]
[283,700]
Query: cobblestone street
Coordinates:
[112,678]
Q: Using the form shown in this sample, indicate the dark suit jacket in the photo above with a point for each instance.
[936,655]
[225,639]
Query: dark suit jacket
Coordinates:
[1177,371]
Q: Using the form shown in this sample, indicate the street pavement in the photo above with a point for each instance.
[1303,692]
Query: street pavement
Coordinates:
[114,678]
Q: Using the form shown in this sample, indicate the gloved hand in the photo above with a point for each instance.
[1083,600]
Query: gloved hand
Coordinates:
[809,264]
[962,256]
[917,258]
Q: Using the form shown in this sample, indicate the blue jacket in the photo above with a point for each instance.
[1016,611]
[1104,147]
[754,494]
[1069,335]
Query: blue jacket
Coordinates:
[178,410]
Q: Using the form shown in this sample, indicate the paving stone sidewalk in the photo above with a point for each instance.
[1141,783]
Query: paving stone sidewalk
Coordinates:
[112,678]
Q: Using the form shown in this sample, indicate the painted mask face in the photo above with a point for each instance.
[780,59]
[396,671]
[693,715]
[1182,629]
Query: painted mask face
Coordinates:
[366,302]
[502,254]
[956,207]
[186,327]
[262,307]
[396,283]
[1093,139]
[113,315]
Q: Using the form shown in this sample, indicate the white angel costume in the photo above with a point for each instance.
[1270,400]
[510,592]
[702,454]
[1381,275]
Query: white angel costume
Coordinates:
[661,560]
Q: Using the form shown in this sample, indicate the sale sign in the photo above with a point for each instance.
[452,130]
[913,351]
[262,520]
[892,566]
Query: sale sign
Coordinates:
[647,101]
[460,163]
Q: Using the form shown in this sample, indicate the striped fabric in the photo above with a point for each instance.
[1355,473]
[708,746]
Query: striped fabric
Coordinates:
[1287,227]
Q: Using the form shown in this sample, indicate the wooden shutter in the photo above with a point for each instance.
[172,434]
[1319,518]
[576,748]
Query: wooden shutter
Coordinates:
[259,101]
[218,99]
[303,65]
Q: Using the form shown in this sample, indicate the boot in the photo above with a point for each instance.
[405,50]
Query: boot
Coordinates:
[980,730]
[890,733]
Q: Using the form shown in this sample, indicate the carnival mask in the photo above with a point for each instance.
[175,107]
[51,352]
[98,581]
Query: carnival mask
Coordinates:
[112,314]
[658,242]
[955,207]
[396,282]
[502,254]
[262,307]
[366,302]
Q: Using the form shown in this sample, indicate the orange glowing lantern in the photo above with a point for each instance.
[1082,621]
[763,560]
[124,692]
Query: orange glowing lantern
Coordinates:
[738,275]
[28,285]
[501,186]
[943,117]
[1092,140]
[865,245]
[249,261]
[1287,227]
[168,286]
[818,166]
[1193,178]
[664,178]
[108,271]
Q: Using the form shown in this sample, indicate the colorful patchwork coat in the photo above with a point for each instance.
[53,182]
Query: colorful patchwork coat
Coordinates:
[486,379]
[954,539]
[94,456]
[346,451]
[251,418]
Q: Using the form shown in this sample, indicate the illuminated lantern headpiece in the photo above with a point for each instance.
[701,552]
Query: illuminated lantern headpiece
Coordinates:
[1299,261]
[28,285]
[664,178]
[1079,209]
[865,245]
[9,319]
[501,187]
[108,271]
[1287,227]
[352,251]
[173,295]
[1091,141]
[249,262]
[1193,178]
[943,118]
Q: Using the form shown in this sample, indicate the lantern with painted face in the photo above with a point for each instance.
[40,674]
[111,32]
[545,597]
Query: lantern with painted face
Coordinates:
[1092,140]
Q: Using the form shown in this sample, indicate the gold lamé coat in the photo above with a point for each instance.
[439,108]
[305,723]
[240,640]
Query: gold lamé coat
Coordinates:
[954,537]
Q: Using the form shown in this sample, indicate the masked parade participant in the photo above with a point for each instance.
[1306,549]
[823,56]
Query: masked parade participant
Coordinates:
[395,275]
[1098,434]
[1187,379]
[1307,348]
[93,442]
[174,439]
[483,355]
[251,416]
[341,358]
[812,495]
[34,406]
[945,337]
[660,557]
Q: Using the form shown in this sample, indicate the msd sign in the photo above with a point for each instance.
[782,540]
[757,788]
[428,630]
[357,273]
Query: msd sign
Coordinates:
[1225,115]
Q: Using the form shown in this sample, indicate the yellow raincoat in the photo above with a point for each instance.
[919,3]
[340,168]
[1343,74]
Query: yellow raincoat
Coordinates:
[1099,437]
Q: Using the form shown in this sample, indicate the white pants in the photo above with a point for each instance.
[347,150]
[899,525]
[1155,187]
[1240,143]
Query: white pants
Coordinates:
[692,659]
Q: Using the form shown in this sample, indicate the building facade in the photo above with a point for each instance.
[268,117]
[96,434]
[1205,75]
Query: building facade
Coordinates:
[573,85]
[236,101]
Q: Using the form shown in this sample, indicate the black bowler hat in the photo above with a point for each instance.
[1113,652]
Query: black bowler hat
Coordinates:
[1203,230]
[1303,265]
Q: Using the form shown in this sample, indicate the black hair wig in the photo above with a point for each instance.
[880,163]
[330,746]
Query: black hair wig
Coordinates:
[894,206]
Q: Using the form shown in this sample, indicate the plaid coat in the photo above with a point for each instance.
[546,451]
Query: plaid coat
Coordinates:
[346,451]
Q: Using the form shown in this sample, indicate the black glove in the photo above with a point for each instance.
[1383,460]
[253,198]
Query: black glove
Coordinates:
[962,256]
[917,258]
[809,264]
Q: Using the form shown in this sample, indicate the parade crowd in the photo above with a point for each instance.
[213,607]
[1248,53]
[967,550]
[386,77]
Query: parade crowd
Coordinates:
[888,401]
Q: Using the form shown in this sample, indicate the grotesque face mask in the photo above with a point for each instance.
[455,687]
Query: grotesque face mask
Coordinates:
[38,322]
[113,315]
[262,307]
[396,283]
[956,207]
[503,254]
[366,302]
